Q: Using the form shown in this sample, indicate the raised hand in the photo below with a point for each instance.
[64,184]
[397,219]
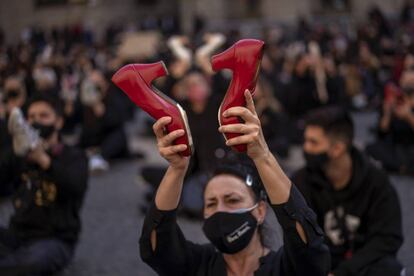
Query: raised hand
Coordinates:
[165,144]
[251,129]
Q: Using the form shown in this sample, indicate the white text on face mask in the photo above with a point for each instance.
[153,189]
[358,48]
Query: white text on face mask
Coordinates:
[238,232]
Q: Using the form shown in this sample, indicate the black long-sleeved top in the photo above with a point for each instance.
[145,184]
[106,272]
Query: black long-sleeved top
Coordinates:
[47,202]
[174,255]
[362,222]
[400,132]
[6,189]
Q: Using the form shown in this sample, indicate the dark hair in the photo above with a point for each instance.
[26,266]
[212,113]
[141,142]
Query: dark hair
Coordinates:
[334,121]
[247,173]
[53,103]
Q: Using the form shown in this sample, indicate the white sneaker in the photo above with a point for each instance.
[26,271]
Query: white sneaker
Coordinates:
[25,137]
[97,163]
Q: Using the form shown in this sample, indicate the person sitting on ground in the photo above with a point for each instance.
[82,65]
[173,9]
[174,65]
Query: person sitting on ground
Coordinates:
[356,205]
[51,180]
[103,117]
[14,95]
[395,147]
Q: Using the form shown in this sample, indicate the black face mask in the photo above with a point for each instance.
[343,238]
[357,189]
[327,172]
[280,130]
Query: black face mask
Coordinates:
[316,161]
[409,91]
[45,131]
[11,94]
[230,232]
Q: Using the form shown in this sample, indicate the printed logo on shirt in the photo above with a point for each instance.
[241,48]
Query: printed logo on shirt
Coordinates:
[238,232]
[332,227]
[46,194]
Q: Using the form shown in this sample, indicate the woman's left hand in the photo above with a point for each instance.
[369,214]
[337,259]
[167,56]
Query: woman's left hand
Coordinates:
[250,130]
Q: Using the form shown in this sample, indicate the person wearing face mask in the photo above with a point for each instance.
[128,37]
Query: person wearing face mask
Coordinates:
[233,213]
[50,180]
[356,205]
[103,134]
[395,146]
[14,95]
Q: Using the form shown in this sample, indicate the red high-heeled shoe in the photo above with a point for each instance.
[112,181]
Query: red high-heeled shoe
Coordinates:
[135,80]
[243,58]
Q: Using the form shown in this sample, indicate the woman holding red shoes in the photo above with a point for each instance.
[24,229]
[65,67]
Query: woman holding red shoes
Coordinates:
[234,211]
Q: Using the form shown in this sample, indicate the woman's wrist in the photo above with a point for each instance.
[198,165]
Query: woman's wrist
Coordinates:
[265,157]
[179,168]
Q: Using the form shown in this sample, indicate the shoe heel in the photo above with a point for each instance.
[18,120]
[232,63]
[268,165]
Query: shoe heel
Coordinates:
[123,75]
[152,71]
[223,60]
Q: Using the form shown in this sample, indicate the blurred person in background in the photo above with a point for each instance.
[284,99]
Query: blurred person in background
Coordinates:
[356,204]
[395,146]
[273,119]
[13,96]
[50,180]
[314,83]
[103,116]
[45,81]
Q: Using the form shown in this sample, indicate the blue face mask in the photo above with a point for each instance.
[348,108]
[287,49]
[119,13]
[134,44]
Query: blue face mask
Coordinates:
[231,232]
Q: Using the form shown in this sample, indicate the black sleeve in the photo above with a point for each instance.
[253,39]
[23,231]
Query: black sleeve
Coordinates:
[173,254]
[115,112]
[384,233]
[299,258]
[70,173]
[10,171]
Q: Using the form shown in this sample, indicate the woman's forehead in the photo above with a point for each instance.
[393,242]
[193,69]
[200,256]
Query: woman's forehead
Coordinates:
[225,184]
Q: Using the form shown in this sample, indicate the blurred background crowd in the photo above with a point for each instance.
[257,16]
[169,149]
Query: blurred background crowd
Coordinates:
[365,65]
[305,66]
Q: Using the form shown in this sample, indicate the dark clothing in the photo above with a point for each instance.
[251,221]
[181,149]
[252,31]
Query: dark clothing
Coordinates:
[393,157]
[5,138]
[395,147]
[386,266]
[362,222]
[41,257]
[206,138]
[274,126]
[106,132]
[6,189]
[302,95]
[47,202]
[400,132]
[174,255]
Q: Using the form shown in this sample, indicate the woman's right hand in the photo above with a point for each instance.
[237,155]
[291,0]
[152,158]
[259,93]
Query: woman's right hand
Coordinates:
[166,147]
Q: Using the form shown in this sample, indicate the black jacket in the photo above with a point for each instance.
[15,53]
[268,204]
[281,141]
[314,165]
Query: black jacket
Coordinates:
[174,255]
[362,222]
[6,148]
[47,203]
